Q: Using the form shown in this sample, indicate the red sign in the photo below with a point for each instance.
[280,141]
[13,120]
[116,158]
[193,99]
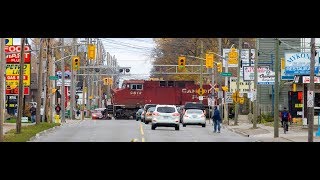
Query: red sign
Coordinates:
[15,91]
[13,53]
[16,77]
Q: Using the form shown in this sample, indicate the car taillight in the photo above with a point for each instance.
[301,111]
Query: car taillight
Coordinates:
[142,113]
[175,114]
[155,114]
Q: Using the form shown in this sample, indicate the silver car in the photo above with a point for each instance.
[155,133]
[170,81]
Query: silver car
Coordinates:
[195,117]
[165,116]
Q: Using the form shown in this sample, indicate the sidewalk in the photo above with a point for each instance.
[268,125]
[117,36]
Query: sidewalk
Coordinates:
[265,133]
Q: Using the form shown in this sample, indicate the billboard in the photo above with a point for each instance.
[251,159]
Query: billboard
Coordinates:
[298,63]
[12,74]
[244,86]
[12,57]
[15,91]
[265,75]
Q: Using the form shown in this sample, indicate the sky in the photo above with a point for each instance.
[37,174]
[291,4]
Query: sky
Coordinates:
[132,52]
[129,52]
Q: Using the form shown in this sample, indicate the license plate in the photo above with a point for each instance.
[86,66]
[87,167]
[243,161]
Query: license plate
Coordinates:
[165,117]
[194,116]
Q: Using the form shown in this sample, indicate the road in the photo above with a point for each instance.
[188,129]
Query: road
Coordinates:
[128,130]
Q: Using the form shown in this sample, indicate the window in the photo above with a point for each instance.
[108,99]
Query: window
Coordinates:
[162,84]
[181,84]
[170,83]
[166,109]
[136,86]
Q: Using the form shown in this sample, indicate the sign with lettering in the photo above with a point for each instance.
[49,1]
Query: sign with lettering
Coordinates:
[13,53]
[299,63]
[12,74]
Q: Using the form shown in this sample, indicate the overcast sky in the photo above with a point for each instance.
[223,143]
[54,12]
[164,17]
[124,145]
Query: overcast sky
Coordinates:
[129,52]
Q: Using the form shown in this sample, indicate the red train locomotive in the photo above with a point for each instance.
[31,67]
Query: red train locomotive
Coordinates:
[136,93]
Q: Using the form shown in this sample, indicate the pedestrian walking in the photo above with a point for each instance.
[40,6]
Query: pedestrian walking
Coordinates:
[216,118]
[33,111]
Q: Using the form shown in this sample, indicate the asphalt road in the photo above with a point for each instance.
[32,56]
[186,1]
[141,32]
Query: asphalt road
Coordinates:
[129,130]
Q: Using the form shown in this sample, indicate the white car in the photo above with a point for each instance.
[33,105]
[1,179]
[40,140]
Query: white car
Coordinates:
[165,116]
[194,117]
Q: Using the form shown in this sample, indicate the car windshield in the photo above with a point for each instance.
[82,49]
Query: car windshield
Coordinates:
[194,111]
[166,109]
[151,109]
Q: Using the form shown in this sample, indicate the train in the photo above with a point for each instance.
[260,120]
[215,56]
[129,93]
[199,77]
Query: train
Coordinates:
[134,94]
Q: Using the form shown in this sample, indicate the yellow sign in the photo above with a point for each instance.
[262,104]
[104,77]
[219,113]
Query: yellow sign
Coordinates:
[298,105]
[283,63]
[241,100]
[12,74]
[225,88]
[90,97]
[200,91]
[9,41]
[233,56]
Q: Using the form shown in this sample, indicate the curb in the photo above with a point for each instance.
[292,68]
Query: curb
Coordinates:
[42,133]
[48,130]
[236,131]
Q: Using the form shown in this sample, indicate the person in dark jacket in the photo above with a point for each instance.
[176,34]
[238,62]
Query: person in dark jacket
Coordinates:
[216,118]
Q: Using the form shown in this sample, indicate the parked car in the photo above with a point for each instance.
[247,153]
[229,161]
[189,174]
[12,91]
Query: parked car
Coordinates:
[165,116]
[148,115]
[194,117]
[138,114]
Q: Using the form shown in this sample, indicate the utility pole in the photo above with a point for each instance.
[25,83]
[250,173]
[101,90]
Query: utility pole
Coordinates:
[226,83]
[276,92]
[21,88]
[311,89]
[40,85]
[238,83]
[48,84]
[2,85]
[73,81]
[201,68]
[255,84]
[63,95]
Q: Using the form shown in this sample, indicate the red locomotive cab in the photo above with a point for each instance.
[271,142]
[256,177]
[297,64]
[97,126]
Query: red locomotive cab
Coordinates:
[130,95]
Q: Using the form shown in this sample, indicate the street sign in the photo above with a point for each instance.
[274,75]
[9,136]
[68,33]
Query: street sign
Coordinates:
[200,98]
[225,74]
[310,99]
[53,77]
[228,98]
[200,91]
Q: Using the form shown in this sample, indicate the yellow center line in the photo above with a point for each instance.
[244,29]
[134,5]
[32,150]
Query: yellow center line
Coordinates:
[141,129]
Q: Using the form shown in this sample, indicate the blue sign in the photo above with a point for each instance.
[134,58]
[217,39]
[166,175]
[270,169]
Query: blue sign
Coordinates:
[296,70]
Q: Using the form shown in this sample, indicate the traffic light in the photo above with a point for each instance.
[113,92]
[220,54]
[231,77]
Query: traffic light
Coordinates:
[105,81]
[75,63]
[209,60]
[182,61]
[91,51]
[219,67]
[110,81]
